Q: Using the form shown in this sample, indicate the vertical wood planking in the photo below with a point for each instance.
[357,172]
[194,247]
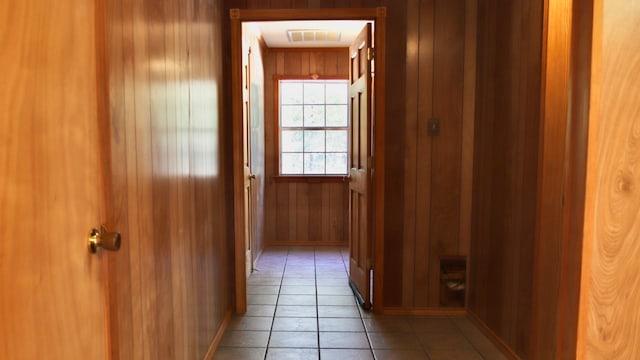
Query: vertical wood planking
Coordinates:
[505,169]
[282,212]
[410,158]
[435,78]
[270,191]
[448,79]
[424,169]
[468,116]
[302,211]
[171,281]
[556,72]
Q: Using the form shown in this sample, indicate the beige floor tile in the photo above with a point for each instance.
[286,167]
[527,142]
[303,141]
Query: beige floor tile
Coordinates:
[293,339]
[334,290]
[345,354]
[340,324]
[433,325]
[333,281]
[295,324]
[336,300]
[297,290]
[397,341]
[244,338]
[263,289]
[299,274]
[343,340]
[444,341]
[297,300]
[227,353]
[338,311]
[299,281]
[264,280]
[260,310]
[387,324]
[255,299]
[292,354]
[256,323]
[481,343]
[296,311]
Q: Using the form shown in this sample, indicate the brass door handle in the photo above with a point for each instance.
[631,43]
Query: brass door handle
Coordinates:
[101,238]
[252,176]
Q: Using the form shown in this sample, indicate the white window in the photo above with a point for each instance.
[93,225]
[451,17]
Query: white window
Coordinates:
[313,127]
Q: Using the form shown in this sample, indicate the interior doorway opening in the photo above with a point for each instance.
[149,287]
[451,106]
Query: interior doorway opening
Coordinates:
[257,166]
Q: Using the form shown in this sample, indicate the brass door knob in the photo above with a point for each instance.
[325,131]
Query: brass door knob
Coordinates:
[101,238]
[252,176]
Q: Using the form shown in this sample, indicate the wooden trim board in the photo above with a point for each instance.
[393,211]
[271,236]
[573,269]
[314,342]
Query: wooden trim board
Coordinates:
[378,15]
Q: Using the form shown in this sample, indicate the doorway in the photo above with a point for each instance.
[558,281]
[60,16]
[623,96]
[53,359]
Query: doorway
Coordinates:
[374,157]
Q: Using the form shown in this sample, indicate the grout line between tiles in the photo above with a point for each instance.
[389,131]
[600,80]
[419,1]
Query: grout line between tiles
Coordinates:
[273,316]
[315,279]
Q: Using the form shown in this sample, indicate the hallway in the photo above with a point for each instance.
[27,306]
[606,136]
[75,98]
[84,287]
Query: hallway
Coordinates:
[301,307]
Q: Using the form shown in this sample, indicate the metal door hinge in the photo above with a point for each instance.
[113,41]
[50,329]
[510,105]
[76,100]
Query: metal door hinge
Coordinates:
[371,54]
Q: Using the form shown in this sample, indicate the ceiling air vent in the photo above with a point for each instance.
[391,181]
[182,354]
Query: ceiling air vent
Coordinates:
[313,35]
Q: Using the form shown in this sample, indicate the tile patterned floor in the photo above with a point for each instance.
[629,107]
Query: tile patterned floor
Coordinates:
[301,307]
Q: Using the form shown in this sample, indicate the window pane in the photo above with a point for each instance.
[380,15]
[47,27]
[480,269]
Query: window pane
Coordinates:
[314,115]
[314,163]
[336,140]
[314,93]
[337,115]
[291,164]
[291,116]
[337,163]
[313,127]
[291,141]
[314,141]
[337,93]
[290,92]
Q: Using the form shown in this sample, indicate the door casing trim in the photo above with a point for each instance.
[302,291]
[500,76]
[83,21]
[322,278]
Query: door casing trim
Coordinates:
[378,16]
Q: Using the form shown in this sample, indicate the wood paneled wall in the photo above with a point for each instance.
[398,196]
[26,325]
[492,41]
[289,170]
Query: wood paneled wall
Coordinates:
[301,213]
[609,322]
[168,192]
[435,85]
[505,168]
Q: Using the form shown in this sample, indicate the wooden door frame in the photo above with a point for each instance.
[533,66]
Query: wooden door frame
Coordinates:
[378,16]
[566,133]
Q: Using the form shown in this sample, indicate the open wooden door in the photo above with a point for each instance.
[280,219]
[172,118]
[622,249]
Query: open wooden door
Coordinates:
[52,299]
[360,240]
[246,155]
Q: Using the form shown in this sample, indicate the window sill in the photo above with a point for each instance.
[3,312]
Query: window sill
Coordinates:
[311,179]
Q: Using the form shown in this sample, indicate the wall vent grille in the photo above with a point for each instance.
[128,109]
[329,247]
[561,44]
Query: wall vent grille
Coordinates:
[313,35]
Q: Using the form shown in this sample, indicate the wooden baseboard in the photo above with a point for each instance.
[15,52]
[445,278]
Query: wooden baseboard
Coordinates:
[425,311]
[218,337]
[506,350]
[306,243]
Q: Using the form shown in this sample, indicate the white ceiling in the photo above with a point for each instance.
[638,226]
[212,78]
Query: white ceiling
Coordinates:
[275,35]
